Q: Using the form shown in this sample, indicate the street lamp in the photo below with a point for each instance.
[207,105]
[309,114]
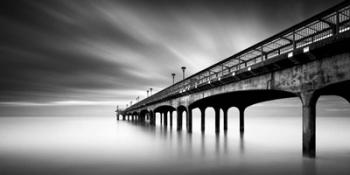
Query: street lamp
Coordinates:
[173,74]
[183,71]
[150,89]
[147,93]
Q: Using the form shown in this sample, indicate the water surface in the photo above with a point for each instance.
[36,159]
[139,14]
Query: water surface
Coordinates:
[102,145]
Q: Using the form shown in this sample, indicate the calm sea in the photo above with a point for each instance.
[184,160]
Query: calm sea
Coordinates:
[102,145]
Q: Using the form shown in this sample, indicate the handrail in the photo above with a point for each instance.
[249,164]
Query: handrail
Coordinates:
[319,27]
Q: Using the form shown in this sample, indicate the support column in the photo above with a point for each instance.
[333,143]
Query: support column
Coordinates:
[217,119]
[202,119]
[123,117]
[309,124]
[241,119]
[165,119]
[225,118]
[179,120]
[152,118]
[171,119]
[189,120]
[140,117]
[161,118]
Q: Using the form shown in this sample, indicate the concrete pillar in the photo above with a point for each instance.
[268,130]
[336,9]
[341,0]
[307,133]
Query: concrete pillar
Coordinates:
[225,118]
[165,114]
[202,119]
[152,118]
[217,119]
[241,119]
[309,124]
[171,119]
[139,117]
[179,120]
[161,118]
[123,117]
[189,120]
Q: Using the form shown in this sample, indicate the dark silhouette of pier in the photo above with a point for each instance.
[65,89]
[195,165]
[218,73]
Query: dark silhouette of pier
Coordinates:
[307,60]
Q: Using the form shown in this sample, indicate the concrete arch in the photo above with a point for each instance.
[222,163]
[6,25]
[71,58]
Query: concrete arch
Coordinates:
[164,108]
[240,99]
[309,100]
[143,115]
[181,108]
[340,89]
[144,111]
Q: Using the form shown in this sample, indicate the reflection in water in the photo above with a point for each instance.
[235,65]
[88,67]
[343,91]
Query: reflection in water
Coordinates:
[203,144]
[217,144]
[309,167]
[103,146]
[241,142]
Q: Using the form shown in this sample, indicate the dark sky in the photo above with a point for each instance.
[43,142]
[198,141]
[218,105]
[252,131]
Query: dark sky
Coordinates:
[66,52]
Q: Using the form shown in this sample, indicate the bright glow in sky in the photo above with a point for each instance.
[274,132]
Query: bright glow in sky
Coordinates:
[107,53]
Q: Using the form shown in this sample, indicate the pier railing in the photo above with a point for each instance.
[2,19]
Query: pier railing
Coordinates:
[319,27]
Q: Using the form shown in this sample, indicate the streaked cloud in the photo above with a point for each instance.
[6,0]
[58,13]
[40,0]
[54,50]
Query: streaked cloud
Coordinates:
[101,52]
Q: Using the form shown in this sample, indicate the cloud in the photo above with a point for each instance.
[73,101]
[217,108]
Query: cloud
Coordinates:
[61,51]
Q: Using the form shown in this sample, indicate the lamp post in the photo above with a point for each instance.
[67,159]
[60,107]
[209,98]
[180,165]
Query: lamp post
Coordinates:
[173,74]
[183,72]
[147,93]
[150,90]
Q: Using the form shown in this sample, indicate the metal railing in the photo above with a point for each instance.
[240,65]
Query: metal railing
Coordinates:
[322,26]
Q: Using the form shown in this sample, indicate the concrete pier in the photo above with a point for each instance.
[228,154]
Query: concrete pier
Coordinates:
[189,121]
[165,115]
[241,119]
[171,119]
[179,120]
[202,119]
[308,66]
[309,124]
[225,110]
[217,119]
